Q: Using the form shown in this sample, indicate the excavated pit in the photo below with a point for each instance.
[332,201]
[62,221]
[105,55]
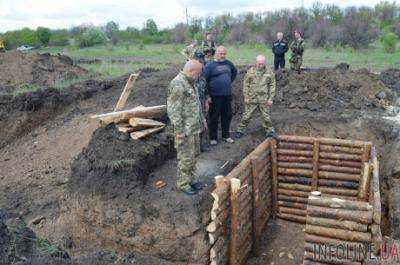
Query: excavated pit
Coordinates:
[113,199]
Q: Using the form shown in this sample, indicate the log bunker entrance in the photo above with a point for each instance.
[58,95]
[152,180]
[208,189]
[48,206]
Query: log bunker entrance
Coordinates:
[330,185]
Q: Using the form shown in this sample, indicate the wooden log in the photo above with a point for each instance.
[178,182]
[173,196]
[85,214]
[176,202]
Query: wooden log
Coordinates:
[338,176]
[295,172]
[141,134]
[375,196]
[292,211]
[338,183]
[298,187]
[325,141]
[274,177]
[298,159]
[126,91]
[293,218]
[235,186]
[341,149]
[315,165]
[338,191]
[340,163]
[125,129]
[295,165]
[294,193]
[321,240]
[341,224]
[311,256]
[124,115]
[343,234]
[340,156]
[146,123]
[364,182]
[294,180]
[311,262]
[366,152]
[302,153]
[342,197]
[297,205]
[255,204]
[364,217]
[295,146]
[376,236]
[352,170]
[219,252]
[218,221]
[292,199]
[339,203]
[296,139]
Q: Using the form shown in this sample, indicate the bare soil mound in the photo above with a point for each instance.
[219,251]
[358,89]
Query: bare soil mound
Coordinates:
[17,68]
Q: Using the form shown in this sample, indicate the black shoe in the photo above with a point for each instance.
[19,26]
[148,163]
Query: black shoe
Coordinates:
[197,186]
[271,134]
[189,191]
[239,135]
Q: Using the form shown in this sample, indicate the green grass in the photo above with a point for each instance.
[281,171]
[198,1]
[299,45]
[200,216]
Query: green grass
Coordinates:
[160,56]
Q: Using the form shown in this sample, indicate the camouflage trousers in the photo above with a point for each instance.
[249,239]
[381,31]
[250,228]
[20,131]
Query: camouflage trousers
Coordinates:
[295,62]
[187,150]
[248,113]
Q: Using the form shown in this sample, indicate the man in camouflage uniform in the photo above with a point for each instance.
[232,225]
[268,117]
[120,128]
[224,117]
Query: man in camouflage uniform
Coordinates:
[208,47]
[184,111]
[190,50]
[297,49]
[259,91]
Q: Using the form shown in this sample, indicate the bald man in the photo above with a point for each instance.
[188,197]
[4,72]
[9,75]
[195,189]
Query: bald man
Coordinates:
[219,75]
[184,111]
[259,92]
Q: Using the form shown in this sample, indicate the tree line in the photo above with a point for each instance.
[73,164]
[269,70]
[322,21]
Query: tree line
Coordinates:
[321,25]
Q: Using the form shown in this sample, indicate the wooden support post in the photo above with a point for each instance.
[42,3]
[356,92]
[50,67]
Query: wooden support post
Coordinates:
[364,183]
[315,165]
[256,205]
[274,178]
[233,253]
[125,93]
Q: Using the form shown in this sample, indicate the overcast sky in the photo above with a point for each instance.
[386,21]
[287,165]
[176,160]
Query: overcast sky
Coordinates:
[15,14]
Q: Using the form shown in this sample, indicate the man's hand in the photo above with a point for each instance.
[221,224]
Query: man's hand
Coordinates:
[180,136]
[246,99]
[269,103]
[207,105]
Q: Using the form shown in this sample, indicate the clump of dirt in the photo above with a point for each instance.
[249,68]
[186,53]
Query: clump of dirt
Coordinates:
[333,90]
[17,68]
[391,78]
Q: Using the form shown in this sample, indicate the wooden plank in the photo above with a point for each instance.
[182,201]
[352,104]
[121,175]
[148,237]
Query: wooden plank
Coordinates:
[141,134]
[233,254]
[274,177]
[364,182]
[256,205]
[315,165]
[125,93]
[141,122]
[124,115]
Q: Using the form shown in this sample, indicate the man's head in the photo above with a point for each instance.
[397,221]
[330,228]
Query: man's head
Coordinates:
[297,34]
[192,69]
[279,36]
[209,36]
[260,61]
[220,53]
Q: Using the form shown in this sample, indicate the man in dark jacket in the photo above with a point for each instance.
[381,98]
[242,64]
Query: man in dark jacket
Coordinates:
[219,75]
[279,48]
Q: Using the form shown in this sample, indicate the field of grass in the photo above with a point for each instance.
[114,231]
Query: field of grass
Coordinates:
[121,59]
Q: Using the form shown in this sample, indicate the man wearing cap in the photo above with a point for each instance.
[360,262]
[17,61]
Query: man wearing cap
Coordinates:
[190,50]
[259,91]
[208,47]
[297,49]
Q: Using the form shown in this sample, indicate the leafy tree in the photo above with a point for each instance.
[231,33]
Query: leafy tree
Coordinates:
[59,38]
[151,27]
[43,35]
[389,41]
[111,28]
[91,37]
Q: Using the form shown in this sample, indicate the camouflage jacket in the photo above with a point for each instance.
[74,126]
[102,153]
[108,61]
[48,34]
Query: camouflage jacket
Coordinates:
[259,85]
[201,87]
[183,106]
[189,52]
[208,48]
[297,47]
